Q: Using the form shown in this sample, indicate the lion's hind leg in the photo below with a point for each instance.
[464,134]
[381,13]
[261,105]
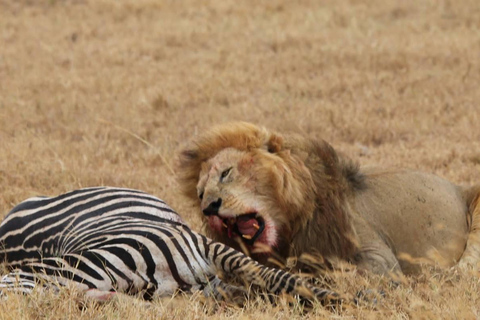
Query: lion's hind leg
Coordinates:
[471,255]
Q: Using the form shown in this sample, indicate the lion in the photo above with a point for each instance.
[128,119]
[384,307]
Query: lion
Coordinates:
[295,195]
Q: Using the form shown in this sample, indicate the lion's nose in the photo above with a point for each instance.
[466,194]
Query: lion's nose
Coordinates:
[213,208]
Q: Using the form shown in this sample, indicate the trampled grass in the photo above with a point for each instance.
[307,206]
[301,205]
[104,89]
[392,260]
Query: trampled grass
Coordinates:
[105,93]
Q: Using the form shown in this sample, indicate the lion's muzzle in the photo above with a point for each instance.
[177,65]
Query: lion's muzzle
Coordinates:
[213,208]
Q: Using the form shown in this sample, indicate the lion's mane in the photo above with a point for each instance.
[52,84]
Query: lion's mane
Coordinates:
[312,187]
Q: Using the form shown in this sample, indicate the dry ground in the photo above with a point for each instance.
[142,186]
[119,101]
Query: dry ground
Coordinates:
[104,92]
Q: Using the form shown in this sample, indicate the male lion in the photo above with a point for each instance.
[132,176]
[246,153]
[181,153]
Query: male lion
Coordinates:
[298,195]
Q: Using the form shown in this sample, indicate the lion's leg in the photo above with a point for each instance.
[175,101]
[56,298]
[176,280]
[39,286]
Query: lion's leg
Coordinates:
[374,255]
[471,255]
[378,259]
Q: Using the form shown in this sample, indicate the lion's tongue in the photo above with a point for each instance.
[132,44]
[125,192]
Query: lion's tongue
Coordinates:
[246,225]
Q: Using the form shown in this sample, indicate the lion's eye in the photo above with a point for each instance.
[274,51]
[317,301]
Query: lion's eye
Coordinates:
[201,196]
[225,173]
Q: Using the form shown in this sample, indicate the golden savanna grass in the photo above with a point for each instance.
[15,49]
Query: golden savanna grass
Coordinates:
[105,92]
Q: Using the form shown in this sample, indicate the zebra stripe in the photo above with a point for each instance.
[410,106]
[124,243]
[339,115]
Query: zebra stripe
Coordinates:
[114,239]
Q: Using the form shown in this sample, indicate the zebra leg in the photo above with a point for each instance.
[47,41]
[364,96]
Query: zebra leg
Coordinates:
[221,290]
[23,282]
[276,281]
[17,281]
[53,273]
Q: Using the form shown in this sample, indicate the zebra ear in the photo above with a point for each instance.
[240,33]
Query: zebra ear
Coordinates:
[274,143]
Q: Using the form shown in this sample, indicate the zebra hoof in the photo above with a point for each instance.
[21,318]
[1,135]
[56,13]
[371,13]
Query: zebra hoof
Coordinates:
[369,297]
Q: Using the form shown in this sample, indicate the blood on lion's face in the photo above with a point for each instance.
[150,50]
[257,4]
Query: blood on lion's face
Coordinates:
[232,202]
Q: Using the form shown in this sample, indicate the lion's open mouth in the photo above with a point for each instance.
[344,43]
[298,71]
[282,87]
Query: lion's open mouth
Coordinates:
[248,226]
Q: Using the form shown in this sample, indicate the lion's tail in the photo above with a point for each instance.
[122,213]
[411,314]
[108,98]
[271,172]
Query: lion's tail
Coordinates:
[471,255]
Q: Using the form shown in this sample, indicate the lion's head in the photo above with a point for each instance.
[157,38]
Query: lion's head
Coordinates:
[245,183]
[261,189]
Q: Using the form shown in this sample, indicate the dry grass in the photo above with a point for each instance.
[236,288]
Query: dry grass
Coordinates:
[104,92]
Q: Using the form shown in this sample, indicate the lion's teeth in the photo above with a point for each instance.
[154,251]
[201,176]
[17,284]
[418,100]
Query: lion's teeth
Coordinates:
[256,226]
[246,236]
[224,225]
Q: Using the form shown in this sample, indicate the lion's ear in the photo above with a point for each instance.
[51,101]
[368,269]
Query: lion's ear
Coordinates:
[274,143]
[189,154]
[187,167]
